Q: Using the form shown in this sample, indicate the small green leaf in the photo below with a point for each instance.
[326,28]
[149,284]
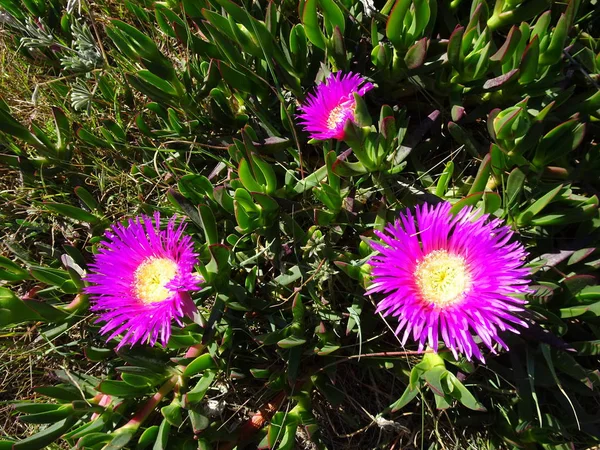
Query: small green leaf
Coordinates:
[195,187]
[529,63]
[525,217]
[120,389]
[10,271]
[87,198]
[49,416]
[197,393]
[65,393]
[63,129]
[45,437]
[172,414]
[455,56]
[508,48]
[209,224]
[72,212]
[54,277]
[462,394]
[563,138]
[557,43]
[514,186]
[483,175]
[198,421]
[200,364]
[291,341]
[247,177]
[469,200]
[408,395]
[147,438]
[94,439]
[415,56]
[333,15]
[434,377]
[13,310]
[311,24]
[444,180]
[395,28]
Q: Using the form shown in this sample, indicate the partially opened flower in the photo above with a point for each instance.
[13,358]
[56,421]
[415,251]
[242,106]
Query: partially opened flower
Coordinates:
[451,276]
[141,279]
[327,110]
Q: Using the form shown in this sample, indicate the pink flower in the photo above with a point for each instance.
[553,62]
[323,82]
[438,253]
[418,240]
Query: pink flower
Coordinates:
[141,280]
[450,275]
[327,110]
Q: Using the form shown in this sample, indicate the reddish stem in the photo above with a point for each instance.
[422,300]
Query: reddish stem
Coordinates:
[256,422]
[143,413]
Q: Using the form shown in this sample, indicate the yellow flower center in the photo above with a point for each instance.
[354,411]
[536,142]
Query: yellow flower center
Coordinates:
[151,277]
[442,278]
[336,115]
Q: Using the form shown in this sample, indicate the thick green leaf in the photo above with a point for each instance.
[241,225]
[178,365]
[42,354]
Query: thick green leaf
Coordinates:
[333,15]
[462,394]
[529,63]
[172,414]
[120,389]
[209,224]
[415,56]
[197,393]
[408,395]
[554,51]
[13,310]
[483,175]
[395,28]
[434,377]
[291,341]
[455,56]
[42,439]
[514,186]
[49,416]
[528,214]
[10,271]
[311,24]
[147,438]
[508,48]
[200,364]
[72,212]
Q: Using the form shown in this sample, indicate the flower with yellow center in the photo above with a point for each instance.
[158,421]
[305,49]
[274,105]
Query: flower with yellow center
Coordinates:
[445,276]
[326,111]
[151,278]
[339,114]
[442,278]
[140,280]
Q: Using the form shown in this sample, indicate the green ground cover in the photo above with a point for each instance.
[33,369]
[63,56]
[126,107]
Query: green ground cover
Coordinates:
[113,109]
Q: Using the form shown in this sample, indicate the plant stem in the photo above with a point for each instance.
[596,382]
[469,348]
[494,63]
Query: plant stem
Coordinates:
[142,414]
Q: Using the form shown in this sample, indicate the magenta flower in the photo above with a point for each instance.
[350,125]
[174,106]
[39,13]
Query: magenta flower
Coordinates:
[141,280]
[453,275]
[327,110]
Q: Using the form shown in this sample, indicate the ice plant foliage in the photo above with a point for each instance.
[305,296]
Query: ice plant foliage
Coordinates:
[327,110]
[141,279]
[450,275]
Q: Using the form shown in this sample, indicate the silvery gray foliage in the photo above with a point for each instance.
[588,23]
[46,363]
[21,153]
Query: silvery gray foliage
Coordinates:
[71,4]
[36,35]
[369,6]
[85,55]
[8,19]
[81,96]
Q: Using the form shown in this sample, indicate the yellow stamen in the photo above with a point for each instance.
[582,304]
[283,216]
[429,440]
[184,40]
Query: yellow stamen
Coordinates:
[442,278]
[336,115]
[151,277]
